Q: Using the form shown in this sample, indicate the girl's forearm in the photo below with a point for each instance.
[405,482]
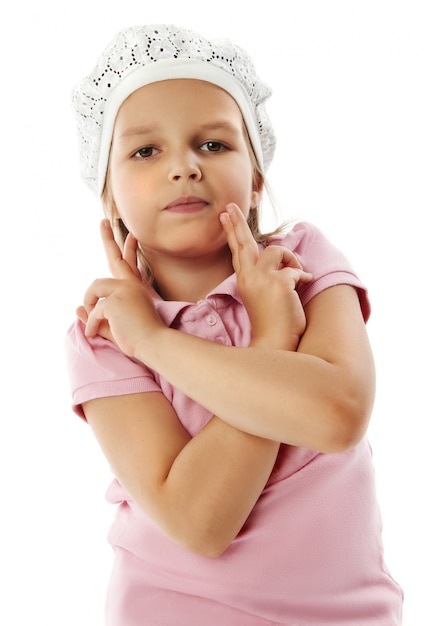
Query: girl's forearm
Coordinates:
[199,490]
[286,396]
[213,485]
[257,390]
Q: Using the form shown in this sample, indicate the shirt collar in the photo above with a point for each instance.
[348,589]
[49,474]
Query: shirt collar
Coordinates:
[169,309]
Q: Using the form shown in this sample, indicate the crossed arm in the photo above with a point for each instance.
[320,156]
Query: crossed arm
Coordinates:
[307,383]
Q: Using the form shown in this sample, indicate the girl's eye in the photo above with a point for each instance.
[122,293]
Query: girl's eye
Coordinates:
[213,146]
[145,153]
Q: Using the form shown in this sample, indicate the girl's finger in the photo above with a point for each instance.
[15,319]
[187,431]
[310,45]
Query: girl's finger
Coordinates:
[98,290]
[240,239]
[130,253]
[277,257]
[82,314]
[95,319]
[119,267]
[296,276]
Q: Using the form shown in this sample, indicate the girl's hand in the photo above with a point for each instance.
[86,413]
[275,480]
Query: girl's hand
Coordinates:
[120,308]
[267,284]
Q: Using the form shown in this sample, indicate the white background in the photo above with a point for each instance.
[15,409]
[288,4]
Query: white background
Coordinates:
[352,107]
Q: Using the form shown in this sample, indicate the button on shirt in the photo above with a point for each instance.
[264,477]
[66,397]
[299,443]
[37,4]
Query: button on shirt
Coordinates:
[310,553]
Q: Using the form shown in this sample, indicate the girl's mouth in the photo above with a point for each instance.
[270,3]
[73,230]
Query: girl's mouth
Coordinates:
[186,204]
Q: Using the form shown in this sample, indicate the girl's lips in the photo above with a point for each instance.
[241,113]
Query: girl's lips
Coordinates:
[186,204]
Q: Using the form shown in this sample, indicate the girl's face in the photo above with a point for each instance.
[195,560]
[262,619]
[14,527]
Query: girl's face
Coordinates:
[179,155]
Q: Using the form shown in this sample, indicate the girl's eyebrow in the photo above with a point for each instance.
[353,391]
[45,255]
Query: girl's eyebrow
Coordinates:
[220,125]
[136,131]
[217,125]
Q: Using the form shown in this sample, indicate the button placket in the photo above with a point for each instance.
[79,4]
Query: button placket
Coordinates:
[208,315]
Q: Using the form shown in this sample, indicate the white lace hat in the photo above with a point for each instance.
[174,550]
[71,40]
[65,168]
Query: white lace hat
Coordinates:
[141,55]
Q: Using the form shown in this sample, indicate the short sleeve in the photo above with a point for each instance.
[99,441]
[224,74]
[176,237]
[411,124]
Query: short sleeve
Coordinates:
[98,369]
[324,261]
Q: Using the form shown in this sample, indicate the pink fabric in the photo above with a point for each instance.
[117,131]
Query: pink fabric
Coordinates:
[310,553]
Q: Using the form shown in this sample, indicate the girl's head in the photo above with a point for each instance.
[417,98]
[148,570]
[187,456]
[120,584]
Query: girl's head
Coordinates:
[143,56]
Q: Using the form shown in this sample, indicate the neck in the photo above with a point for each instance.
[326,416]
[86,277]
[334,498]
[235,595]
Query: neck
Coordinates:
[190,279]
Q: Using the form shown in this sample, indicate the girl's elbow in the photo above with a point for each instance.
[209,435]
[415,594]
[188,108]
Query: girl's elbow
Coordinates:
[350,423]
[212,551]
[205,535]
[198,532]
[209,545]
[345,439]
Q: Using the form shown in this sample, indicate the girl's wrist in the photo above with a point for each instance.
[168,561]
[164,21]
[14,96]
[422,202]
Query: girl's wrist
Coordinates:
[150,348]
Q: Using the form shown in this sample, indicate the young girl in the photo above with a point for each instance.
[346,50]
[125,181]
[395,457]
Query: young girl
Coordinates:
[227,375]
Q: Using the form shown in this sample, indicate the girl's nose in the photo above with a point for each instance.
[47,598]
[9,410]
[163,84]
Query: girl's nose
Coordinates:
[184,168]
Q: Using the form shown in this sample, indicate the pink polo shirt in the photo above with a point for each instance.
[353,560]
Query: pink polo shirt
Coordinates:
[310,553]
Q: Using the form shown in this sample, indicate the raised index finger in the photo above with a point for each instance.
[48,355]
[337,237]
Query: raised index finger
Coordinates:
[118,266]
[243,246]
